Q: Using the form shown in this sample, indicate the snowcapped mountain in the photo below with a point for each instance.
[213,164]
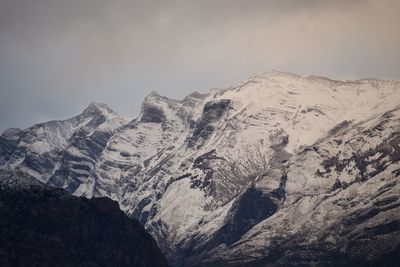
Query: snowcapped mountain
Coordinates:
[276,170]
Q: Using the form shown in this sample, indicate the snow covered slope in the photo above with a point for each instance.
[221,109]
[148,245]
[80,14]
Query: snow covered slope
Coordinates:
[68,148]
[229,176]
[338,205]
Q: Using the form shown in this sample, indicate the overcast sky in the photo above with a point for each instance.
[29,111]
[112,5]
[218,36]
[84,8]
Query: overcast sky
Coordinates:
[57,56]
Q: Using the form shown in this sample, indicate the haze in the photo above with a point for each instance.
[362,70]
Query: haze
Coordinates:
[58,56]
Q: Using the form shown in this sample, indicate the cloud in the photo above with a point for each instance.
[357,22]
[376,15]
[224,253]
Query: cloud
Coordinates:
[57,56]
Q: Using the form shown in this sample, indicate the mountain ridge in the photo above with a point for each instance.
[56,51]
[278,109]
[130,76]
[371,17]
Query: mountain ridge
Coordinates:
[207,174]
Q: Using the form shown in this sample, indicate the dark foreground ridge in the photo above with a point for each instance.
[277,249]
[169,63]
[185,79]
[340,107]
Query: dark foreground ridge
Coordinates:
[44,226]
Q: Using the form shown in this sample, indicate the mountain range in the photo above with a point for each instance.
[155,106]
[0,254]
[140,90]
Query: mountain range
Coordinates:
[279,170]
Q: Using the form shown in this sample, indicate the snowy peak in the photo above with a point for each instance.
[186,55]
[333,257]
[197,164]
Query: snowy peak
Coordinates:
[195,95]
[97,108]
[11,133]
[97,114]
[157,99]
[153,94]
[158,109]
[40,150]
[153,108]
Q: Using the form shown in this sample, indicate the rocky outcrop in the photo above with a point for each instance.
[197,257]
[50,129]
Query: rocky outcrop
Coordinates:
[203,128]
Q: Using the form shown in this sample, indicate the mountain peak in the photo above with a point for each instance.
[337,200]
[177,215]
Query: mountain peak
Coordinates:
[10,132]
[155,97]
[97,108]
[153,94]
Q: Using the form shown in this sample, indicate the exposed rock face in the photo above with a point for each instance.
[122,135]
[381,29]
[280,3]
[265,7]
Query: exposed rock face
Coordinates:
[252,207]
[44,226]
[278,170]
[151,113]
[203,129]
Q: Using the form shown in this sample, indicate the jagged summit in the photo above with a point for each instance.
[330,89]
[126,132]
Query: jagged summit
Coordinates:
[153,94]
[9,133]
[97,108]
[196,95]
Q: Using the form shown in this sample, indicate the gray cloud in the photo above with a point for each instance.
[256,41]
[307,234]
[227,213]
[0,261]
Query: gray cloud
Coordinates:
[56,56]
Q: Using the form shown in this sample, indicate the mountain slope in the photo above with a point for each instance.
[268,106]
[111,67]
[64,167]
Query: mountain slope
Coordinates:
[66,148]
[44,226]
[341,204]
[224,177]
